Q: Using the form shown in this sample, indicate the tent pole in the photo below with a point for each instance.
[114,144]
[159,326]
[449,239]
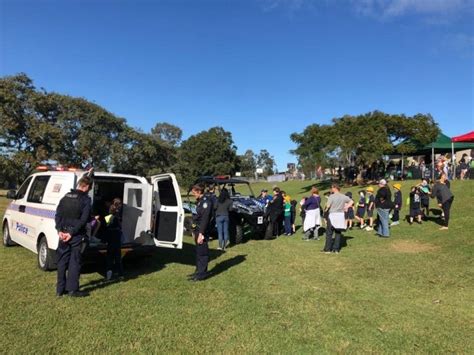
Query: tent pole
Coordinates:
[432,164]
[453,162]
[402,168]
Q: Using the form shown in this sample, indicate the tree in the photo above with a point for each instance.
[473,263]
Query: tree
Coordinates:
[314,147]
[37,127]
[28,130]
[266,162]
[360,139]
[210,152]
[247,163]
[167,133]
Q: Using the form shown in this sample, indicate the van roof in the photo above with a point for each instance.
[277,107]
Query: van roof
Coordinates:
[80,173]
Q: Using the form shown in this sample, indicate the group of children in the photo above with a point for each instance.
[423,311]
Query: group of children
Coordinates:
[418,202]
[365,204]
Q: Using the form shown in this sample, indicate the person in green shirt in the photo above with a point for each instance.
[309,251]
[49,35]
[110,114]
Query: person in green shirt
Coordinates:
[287,215]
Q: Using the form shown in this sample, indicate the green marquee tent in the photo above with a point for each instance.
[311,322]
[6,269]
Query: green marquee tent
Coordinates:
[442,144]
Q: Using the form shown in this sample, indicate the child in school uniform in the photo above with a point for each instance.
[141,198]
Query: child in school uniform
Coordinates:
[361,210]
[287,215]
[415,205]
[349,214]
[370,202]
[397,203]
[425,192]
[294,203]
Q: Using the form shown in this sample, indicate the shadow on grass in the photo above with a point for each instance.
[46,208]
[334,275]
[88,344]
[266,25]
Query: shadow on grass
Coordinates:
[138,264]
[321,185]
[326,185]
[227,264]
[344,240]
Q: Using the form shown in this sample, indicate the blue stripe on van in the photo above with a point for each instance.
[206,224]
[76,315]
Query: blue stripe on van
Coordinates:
[39,212]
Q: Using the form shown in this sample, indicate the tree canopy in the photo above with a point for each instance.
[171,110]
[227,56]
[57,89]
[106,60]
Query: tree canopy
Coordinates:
[210,152]
[360,139]
[37,127]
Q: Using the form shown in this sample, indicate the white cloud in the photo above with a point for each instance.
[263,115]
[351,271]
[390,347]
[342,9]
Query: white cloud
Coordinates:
[434,9]
[395,8]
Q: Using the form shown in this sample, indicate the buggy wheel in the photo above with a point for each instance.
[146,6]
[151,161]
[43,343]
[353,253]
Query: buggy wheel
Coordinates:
[239,234]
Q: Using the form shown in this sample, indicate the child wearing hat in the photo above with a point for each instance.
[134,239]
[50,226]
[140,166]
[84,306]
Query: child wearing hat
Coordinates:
[349,214]
[425,192]
[397,203]
[287,215]
[361,209]
[370,202]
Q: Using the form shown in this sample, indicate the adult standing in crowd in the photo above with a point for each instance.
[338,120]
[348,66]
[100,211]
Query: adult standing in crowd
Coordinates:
[223,206]
[274,213]
[72,215]
[201,226]
[383,203]
[336,206]
[312,220]
[444,196]
[463,166]
[212,198]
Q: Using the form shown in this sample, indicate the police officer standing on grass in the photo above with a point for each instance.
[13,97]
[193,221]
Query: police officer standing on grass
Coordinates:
[201,225]
[72,215]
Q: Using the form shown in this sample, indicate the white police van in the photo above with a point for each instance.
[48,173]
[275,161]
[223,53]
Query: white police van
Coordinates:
[152,210]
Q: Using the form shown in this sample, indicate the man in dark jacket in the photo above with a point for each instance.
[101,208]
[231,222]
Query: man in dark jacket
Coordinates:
[383,203]
[72,215]
[274,212]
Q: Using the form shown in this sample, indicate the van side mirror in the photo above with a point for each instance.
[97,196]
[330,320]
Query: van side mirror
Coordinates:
[11,194]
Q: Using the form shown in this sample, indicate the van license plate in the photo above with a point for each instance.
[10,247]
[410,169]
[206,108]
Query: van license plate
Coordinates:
[260,220]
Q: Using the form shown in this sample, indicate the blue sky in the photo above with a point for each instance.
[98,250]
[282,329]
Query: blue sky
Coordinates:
[261,69]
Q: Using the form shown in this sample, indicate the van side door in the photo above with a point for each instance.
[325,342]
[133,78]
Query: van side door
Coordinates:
[168,213]
[136,210]
[37,211]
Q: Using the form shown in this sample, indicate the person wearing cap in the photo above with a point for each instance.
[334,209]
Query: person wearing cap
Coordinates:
[201,229]
[370,203]
[383,203]
[425,191]
[264,197]
[397,201]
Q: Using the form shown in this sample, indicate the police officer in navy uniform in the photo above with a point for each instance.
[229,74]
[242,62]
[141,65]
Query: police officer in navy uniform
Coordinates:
[72,215]
[201,225]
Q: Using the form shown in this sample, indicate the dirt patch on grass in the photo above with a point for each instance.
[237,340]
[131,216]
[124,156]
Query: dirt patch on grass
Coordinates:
[412,247]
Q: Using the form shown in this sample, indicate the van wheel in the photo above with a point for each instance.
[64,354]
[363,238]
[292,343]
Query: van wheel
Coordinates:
[7,240]
[45,255]
[239,234]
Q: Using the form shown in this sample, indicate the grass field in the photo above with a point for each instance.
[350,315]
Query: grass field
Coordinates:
[412,293]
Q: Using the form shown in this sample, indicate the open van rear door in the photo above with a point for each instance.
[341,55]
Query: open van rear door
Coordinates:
[136,210]
[168,213]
